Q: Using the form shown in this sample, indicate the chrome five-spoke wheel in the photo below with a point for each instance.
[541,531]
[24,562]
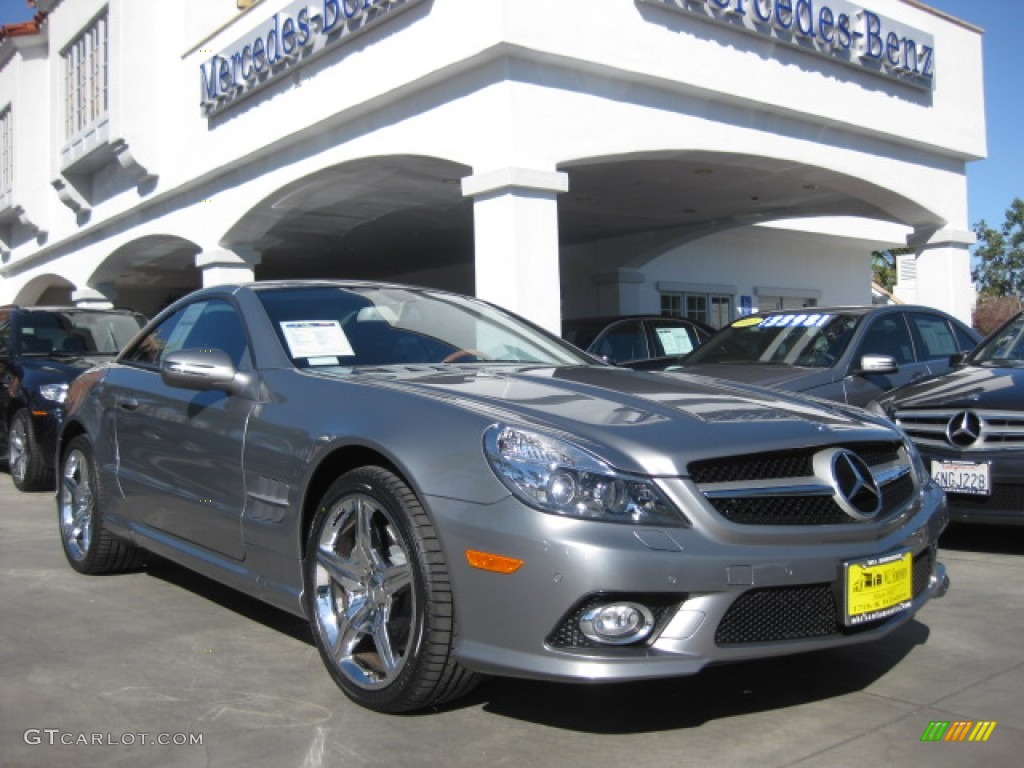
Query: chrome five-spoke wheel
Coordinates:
[88,545]
[375,577]
[76,504]
[365,601]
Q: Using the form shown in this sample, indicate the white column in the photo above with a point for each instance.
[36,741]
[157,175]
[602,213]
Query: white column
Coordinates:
[515,221]
[221,266]
[99,297]
[944,273]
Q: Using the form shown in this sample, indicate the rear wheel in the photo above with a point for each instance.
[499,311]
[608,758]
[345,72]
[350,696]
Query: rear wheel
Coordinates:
[29,469]
[89,547]
[380,600]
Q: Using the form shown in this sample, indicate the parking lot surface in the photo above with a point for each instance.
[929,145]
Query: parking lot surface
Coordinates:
[164,668]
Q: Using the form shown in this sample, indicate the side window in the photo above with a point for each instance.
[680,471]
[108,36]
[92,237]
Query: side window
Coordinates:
[888,335]
[203,325]
[150,349]
[963,339]
[673,339]
[937,340]
[218,327]
[622,342]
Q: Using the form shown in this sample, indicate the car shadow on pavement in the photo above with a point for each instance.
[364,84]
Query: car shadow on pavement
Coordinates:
[715,693]
[249,607]
[996,539]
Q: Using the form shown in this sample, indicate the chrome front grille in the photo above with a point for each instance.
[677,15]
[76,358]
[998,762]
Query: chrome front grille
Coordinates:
[798,487]
[995,429]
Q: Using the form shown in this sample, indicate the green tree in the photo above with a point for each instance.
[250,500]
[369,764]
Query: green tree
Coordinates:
[883,266]
[1000,255]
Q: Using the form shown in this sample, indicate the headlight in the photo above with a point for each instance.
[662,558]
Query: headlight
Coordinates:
[555,476]
[54,392]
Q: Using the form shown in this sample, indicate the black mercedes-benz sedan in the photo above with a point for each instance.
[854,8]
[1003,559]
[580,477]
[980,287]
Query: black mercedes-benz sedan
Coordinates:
[969,426]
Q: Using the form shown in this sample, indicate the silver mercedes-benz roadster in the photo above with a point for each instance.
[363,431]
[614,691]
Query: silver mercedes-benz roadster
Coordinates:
[447,491]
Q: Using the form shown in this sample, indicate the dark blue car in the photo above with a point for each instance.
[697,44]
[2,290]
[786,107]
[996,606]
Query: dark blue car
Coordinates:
[41,350]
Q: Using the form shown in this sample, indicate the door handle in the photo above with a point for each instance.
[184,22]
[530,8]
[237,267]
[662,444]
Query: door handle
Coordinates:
[127,403]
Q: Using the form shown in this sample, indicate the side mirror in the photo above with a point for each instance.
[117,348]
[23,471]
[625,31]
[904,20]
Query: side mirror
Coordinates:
[877,364]
[957,359]
[199,369]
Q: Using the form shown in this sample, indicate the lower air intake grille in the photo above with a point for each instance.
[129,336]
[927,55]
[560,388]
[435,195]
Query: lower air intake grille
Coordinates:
[779,613]
[775,614]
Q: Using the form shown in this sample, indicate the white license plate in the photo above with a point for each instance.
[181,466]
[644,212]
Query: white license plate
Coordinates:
[963,477]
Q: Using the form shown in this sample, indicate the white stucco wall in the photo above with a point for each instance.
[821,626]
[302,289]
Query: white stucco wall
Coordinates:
[494,85]
[796,259]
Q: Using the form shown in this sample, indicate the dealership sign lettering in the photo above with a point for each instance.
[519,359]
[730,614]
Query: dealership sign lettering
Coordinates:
[294,35]
[837,29]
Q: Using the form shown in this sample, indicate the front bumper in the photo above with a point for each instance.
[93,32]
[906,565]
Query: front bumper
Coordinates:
[45,426]
[722,592]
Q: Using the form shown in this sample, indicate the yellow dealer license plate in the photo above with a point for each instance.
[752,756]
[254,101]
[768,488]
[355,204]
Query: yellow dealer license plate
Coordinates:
[879,587]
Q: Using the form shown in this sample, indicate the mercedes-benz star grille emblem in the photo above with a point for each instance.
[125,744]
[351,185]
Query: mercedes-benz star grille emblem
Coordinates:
[963,429]
[857,492]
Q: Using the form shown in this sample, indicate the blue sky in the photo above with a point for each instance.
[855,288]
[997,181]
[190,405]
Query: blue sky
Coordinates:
[992,183]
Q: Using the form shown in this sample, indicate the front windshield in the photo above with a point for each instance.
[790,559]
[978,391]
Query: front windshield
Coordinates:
[797,338]
[350,326]
[1004,348]
[74,332]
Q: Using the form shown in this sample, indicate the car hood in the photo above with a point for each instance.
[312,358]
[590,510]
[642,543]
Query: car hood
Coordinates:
[648,422]
[790,378]
[61,368]
[970,387]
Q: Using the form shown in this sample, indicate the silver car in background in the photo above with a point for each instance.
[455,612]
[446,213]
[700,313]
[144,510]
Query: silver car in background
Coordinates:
[446,491]
[848,354]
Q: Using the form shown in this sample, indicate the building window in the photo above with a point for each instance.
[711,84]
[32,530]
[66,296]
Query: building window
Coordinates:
[769,303]
[715,309]
[671,305]
[86,79]
[6,158]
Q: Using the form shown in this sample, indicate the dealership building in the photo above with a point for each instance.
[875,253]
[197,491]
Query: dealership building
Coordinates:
[561,158]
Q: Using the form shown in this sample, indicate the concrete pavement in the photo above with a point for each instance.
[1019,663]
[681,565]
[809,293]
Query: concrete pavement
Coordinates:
[96,671]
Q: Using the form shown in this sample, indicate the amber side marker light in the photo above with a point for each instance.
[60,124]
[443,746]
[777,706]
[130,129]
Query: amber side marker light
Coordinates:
[485,561]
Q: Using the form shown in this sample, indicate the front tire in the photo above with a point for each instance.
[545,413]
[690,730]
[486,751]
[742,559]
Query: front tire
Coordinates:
[29,470]
[379,597]
[88,545]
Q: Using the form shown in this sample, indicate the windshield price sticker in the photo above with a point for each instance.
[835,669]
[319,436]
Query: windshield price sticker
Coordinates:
[796,321]
[967,477]
[878,588]
[315,339]
[675,341]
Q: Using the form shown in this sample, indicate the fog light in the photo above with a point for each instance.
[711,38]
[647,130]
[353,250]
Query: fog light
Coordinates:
[617,623]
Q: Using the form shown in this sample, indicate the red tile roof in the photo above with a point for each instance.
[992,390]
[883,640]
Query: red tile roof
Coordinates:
[24,28]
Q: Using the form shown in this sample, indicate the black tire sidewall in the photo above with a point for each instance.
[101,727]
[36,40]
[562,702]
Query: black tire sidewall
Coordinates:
[35,468]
